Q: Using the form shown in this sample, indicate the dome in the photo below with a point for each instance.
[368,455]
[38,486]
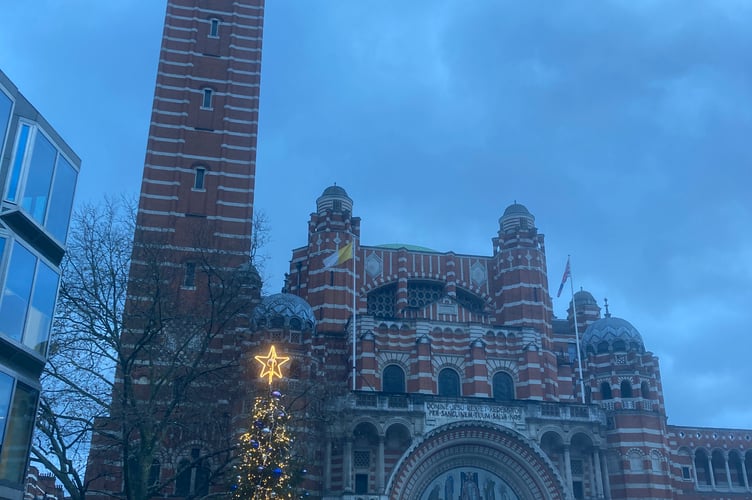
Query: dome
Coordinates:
[334,198]
[334,190]
[583,298]
[613,334]
[516,216]
[516,209]
[284,310]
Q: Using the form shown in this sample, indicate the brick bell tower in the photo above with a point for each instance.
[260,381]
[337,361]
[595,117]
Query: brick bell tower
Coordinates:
[191,284]
[199,173]
[522,300]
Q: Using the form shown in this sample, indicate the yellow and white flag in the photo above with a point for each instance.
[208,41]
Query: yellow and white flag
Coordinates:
[342,255]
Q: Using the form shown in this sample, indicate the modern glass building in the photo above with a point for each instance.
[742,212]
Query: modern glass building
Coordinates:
[38,174]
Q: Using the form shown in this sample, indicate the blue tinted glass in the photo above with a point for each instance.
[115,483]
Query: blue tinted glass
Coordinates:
[42,306]
[15,298]
[6,390]
[39,178]
[15,450]
[15,174]
[61,199]
[5,107]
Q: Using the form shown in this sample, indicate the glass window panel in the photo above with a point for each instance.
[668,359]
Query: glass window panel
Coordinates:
[6,105]
[15,174]
[449,383]
[42,306]
[199,180]
[18,434]
[6,390]
[61,199]
[39,178]
[207,101]
[15,299]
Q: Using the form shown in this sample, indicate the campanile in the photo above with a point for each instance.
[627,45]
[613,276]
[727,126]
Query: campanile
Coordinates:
[198,182]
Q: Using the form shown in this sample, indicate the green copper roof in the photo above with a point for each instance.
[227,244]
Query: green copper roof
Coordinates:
[412,248]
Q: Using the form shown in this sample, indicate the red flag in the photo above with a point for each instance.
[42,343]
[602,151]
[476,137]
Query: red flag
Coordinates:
[567,275]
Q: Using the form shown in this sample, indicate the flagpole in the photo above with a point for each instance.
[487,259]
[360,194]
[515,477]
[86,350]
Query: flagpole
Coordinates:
[576,331]
[355,312]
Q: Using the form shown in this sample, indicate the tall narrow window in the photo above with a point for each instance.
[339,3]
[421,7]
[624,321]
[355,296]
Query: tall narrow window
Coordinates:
[21,143]
[6,106]
[449,383]
[190,275]
[214,28]
[626,389]
[198,181]
[206,102]
[645,390]
[606,390]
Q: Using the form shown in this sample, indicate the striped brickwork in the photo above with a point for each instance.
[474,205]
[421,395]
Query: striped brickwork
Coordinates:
[204,123]
[193,227]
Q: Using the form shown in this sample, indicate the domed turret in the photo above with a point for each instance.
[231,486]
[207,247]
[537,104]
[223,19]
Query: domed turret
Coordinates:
[612,334]
[588,310]
[284,310]
[334,198]
[516,216]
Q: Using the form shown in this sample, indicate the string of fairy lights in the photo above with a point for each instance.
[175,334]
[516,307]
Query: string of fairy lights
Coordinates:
[265,470]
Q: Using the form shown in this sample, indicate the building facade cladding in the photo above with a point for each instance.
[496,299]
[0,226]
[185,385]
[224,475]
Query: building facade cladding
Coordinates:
[465,383]
[38,174]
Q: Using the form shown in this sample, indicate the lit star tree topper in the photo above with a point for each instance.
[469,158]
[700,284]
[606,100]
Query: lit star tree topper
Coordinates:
[271,364]
[266,469]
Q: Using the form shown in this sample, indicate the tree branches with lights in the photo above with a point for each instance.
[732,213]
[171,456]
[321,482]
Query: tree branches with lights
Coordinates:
[265,468]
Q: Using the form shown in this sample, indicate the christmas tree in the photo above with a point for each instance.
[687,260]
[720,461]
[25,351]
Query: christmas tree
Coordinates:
[265,465]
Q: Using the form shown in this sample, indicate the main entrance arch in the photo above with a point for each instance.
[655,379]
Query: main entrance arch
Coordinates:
[475,461]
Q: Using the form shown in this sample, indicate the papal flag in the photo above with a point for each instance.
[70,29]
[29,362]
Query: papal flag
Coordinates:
[567,274]
[342,255]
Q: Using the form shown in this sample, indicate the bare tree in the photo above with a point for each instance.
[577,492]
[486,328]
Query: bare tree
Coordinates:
[135,369]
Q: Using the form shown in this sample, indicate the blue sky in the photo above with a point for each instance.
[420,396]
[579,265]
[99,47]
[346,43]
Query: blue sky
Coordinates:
[624,126]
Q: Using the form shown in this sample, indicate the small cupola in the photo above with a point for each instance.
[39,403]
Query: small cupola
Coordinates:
[516,217]
[334,199]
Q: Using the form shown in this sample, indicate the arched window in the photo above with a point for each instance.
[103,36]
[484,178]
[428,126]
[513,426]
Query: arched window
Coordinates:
[503,387]
[626,389]
[393,379]
[605,390]
[645,390]
[603,347]
[193,476]
[449,383]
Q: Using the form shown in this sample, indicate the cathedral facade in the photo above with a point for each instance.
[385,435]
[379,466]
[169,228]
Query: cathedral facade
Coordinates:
[463,385]
[416,374]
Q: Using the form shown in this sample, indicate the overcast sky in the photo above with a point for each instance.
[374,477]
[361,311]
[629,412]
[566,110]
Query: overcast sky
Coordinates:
[624,126]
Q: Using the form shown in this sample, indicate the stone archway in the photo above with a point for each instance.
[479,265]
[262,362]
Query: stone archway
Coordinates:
[502,464]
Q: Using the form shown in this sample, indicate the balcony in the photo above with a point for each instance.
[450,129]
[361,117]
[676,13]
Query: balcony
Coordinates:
[439,410]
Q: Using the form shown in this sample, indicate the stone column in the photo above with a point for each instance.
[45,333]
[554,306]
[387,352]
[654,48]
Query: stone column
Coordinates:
[380,466]
[694,469]
[711,472]
[744,474]
[598,473]
[347,466]
[568,467]
[728,471]
[606,479]
[328,467]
